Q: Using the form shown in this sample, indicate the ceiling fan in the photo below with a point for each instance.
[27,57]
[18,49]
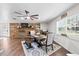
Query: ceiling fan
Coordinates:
[27,15]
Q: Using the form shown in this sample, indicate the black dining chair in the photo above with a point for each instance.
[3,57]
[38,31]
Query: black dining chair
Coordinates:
[48,41]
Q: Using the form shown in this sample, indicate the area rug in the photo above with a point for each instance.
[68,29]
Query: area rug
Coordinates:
[39,51]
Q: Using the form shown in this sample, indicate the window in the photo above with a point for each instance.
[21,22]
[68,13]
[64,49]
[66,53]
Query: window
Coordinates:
[68,25]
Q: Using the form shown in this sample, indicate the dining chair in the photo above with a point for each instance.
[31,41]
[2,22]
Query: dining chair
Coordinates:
[32,32]
[48,41]
[30,39]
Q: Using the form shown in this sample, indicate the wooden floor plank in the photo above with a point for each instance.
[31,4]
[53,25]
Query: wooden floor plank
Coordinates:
[13,47]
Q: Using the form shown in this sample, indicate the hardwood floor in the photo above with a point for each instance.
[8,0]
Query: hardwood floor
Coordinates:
[13,47]
[60,52]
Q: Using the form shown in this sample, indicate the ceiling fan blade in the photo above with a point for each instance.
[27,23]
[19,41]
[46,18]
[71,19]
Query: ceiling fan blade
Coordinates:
[26,11]
[14,18]
[25,18]
[35,15]
[18,13]
[21,16]
[31,18]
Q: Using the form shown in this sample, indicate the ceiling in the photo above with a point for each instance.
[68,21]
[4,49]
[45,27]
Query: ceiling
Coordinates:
[46,11]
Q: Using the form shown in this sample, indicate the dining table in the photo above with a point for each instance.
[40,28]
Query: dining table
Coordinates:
[39,38]
[35,38]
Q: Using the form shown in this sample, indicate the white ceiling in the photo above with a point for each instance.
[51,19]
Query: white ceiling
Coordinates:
[46,11]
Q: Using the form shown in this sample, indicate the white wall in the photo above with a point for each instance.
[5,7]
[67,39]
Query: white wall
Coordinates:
[52,25]
[43,26]
[74,10]
[72,43]
[4,30]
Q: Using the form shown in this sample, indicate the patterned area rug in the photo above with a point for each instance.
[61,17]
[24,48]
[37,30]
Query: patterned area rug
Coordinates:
[35,51]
